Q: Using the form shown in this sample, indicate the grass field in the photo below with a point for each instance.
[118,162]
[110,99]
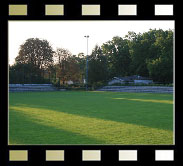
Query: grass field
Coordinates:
[73,117]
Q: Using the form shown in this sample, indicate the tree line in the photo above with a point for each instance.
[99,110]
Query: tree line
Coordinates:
[148,54]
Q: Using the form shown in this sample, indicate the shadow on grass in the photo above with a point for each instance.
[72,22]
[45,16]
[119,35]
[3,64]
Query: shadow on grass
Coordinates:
[24,131]
[94,129]
[145,110]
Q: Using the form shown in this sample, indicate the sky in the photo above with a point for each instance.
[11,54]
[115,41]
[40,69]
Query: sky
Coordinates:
[70,34]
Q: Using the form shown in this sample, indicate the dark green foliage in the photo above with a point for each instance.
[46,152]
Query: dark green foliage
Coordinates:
[25,74]
[118,56]
[36,52]
[149,54]
[98,70]
[33,63]
[161,67]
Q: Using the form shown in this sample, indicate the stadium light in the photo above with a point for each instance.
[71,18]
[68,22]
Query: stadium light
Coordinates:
[87,36]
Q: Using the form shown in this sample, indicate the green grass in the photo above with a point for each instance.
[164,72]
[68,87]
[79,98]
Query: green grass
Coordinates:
[74,117]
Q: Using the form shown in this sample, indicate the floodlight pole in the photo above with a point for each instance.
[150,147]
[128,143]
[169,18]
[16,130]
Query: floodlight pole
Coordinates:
[87,64]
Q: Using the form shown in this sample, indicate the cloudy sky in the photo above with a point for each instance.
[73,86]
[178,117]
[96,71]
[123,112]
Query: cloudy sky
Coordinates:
[70,34]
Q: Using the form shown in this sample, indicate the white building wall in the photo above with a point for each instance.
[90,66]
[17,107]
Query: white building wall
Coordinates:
[115,82]
[143,81]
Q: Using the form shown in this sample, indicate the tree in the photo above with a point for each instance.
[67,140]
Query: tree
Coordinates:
[150,52]
[67,67]
[36,52]
[139,48]
[161,68]
[24,74]
[36,56]
[81,61]
[97,66]
[118,56]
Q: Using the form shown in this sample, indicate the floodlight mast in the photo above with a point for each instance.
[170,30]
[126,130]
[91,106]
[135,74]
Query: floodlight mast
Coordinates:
[87,36]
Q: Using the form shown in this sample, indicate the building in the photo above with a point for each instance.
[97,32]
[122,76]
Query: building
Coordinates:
[135,79]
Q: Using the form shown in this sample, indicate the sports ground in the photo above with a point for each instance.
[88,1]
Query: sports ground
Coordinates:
[78,117]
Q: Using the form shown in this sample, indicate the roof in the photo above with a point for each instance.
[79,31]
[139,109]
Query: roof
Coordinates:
[132,78]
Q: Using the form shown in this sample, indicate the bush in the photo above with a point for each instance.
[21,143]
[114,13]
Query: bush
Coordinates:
[56,83]
[97,85]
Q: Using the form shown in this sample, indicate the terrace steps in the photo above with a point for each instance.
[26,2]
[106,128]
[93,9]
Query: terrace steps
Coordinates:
[31,88]
[141,89]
